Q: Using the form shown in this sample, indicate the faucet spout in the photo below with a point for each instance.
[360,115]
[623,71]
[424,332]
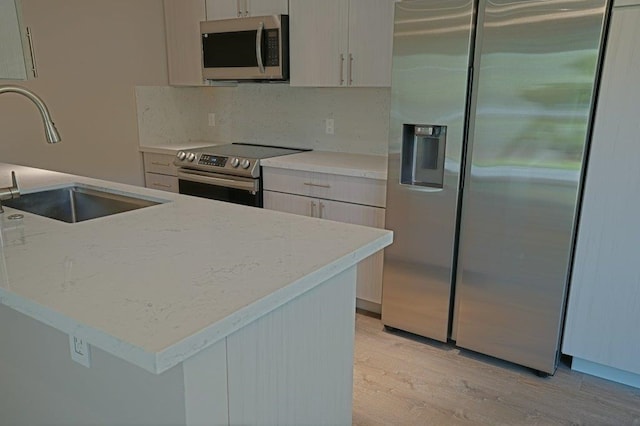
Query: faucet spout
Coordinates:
[49,128]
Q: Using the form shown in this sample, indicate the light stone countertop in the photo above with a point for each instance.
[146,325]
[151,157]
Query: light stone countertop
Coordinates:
[156,285]
[338,163]
[173,148]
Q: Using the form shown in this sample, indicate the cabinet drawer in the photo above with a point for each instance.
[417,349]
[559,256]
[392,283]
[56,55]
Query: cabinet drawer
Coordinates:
[370,192]
[159,163]
[325,209]
[162,182]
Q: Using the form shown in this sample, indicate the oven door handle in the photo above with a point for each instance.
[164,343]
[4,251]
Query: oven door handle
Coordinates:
[251,185]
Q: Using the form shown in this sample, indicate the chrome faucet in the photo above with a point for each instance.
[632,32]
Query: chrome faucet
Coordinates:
[49,129]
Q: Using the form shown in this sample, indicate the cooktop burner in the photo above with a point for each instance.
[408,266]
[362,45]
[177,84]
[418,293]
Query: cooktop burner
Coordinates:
[241,159]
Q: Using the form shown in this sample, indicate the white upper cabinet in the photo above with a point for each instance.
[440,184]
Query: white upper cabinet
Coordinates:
[14,60]
[225,9]
[319,42]
[184,51]
[341,43]
[370,42]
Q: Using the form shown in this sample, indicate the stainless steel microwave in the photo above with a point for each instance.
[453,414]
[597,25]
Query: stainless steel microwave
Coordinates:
[255,48]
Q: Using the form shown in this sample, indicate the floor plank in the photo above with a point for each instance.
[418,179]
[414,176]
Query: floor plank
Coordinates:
[402,379]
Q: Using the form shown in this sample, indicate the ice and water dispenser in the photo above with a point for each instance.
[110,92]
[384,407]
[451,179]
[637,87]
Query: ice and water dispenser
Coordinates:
[423,152]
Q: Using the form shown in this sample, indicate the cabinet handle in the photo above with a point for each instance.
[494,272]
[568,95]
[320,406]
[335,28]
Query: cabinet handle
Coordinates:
[239,8]
[350,69]
[160,185]
[313,209]
[317,185]
[32,53]
[320,209]
[341,69]
[156,163]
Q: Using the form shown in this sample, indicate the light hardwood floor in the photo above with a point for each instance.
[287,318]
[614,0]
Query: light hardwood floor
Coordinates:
[401,379]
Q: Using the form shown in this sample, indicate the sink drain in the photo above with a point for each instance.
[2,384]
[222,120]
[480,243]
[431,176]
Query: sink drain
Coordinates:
[15,216]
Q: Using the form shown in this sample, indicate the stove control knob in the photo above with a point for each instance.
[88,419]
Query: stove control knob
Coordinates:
[235,162]
[245,164]
[181,155]
[191,156]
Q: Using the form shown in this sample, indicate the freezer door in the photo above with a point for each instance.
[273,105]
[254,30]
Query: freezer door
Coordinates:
[432,42]
[538,62]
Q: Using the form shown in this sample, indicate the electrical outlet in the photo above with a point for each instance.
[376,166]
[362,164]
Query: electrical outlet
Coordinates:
[328,126]
[212,119]
[80,351]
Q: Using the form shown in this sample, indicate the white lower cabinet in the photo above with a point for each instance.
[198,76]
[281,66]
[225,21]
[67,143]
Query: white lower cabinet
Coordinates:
[369,283]
[159,172]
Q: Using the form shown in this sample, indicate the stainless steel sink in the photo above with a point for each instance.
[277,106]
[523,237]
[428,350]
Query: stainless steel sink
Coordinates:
[76,203]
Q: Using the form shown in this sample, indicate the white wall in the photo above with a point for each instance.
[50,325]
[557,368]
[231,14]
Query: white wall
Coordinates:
[274,114]
[90,55]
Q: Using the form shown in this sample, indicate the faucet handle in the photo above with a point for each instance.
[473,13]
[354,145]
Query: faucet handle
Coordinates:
[9,192]
[15,191]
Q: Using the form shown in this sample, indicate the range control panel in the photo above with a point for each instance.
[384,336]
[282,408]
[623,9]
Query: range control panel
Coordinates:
[213,160]
[217,163]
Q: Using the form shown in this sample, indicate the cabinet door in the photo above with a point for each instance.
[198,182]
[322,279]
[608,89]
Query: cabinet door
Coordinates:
[603,311]
[224,9]
[182,21]
[318,42]
[289,203]
[267,7]
[369,284]
[12,55]
[370,43]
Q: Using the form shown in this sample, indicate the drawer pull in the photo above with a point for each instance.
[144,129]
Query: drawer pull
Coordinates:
[160,185]
[156,163]
[317,184]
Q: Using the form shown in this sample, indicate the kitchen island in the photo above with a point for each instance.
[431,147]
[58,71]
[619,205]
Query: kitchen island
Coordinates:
[195,312]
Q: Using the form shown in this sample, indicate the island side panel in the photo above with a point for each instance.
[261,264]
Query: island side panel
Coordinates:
[294,366]
[205,384]
[41,385]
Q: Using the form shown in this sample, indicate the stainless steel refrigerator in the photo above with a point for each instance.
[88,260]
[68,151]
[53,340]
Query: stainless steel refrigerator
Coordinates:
[490,118]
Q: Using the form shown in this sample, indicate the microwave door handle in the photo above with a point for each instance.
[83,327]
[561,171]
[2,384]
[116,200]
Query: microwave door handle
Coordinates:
[259,47]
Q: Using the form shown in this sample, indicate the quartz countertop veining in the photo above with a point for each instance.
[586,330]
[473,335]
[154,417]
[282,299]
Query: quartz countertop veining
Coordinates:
[338,163]
[155,286]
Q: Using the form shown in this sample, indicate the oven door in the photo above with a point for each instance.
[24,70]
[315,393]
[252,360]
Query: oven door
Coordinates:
[233,189]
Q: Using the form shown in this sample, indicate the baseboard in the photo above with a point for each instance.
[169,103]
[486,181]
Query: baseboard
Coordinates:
[365,305]
[606,372]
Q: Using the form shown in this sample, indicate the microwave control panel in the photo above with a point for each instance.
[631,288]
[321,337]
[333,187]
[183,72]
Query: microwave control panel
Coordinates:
[273,54]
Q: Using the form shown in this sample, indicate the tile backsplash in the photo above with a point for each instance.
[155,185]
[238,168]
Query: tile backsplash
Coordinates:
[275,114]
